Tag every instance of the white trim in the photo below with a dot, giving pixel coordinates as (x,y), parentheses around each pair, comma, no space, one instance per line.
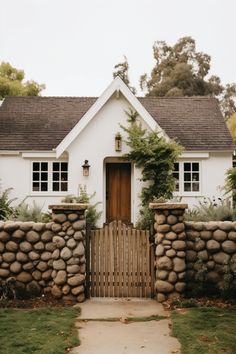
(42,155)
(116,85)
(194,155)
(9,153)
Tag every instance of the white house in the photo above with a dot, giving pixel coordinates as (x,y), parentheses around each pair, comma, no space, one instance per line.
(44,142)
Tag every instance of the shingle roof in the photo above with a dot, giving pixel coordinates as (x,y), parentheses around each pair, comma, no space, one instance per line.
(40,123)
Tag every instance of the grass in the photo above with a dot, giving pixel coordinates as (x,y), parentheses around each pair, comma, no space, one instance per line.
(205,330)
(38,331)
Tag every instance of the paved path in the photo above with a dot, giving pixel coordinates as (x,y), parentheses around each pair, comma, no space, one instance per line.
(120,337)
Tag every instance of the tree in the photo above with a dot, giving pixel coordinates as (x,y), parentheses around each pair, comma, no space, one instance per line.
(121,70)
(12,83)
(182,71)
(231,123)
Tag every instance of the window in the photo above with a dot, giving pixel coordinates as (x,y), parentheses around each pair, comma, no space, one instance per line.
(50,176)
(40,176)
(176,176)
(187,177)
(191,176)
(59,176)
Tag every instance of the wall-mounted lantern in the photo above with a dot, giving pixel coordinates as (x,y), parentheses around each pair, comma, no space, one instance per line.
(86,167)
(118,142)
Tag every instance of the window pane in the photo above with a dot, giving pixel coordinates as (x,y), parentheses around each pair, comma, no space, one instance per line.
(35,166)
(35,176)
(55,176)
(44,166)
(195,166)
(195,187)
(187,187)
(44,176)
(176,166)
(44,187)
(36,187)
(187,177)
(187,166)
(64,186)
(64,176)
(195,177)
(64,166)
(55,186)
(56,166)
(176,186)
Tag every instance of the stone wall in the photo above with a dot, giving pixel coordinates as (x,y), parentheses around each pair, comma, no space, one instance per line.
(184,249)
(170,253)
(46,257)
(211,249)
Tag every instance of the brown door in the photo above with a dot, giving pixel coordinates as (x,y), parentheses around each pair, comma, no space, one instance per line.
(118,192)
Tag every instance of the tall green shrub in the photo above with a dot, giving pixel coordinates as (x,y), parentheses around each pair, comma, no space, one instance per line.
(230,183)
(155,155)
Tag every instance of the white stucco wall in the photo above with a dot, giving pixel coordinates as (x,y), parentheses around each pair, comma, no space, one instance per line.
(15,173)
(212,177)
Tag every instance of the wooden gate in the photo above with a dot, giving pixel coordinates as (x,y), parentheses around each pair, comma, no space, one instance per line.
(120,262)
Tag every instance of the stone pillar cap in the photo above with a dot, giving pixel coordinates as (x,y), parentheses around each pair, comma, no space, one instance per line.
(69,206)
(169,205)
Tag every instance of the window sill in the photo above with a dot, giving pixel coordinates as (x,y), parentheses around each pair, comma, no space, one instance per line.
(48,194)
(187,194)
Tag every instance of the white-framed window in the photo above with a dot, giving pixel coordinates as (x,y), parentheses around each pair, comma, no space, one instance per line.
(49,176)
(187,176)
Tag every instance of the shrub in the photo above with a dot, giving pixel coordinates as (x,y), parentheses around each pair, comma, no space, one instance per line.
(230,183)
(92,215)
(5,204)
(26,212)
(212,210)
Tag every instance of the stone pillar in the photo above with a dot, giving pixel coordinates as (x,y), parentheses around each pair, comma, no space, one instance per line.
(170,240)
(69,256)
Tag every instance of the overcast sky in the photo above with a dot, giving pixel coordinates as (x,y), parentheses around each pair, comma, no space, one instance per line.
(72,45)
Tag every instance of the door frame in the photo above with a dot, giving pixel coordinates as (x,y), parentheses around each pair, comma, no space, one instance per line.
(118,160)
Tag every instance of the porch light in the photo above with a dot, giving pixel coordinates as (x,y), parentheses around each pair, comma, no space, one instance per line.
(86,167)
(118,142)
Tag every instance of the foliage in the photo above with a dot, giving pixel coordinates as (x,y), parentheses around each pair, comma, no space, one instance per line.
(182,71)
(92,215)
(145,219)
(210,210)
(155,156)
(5,204)
(41,331)
(121,70)
(205,330)
(230,183)
(26,212)
(231,124)
(12,83)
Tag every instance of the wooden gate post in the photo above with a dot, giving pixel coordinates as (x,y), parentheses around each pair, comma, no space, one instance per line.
(69,255)
(170,240)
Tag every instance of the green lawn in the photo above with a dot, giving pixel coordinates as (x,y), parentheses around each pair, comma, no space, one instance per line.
(205,330)
(38,331)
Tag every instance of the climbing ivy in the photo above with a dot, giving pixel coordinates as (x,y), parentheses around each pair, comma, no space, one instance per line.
(155,155)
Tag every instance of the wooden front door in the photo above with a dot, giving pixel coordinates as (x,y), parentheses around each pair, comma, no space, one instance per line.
(118,192)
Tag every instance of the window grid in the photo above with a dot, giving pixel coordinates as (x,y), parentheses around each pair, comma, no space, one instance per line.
(49,176)
(40,177)
(60,176)
(187,177)
(191,176)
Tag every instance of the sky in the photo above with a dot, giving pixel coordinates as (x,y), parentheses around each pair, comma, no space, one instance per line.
(72,46)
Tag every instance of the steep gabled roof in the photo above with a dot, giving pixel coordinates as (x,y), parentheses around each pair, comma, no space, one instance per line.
(41,123)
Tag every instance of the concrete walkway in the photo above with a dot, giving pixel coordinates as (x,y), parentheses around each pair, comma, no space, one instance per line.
(119,337)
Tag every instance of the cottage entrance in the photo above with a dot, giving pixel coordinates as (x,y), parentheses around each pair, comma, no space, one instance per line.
(120,262)
(118,192)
